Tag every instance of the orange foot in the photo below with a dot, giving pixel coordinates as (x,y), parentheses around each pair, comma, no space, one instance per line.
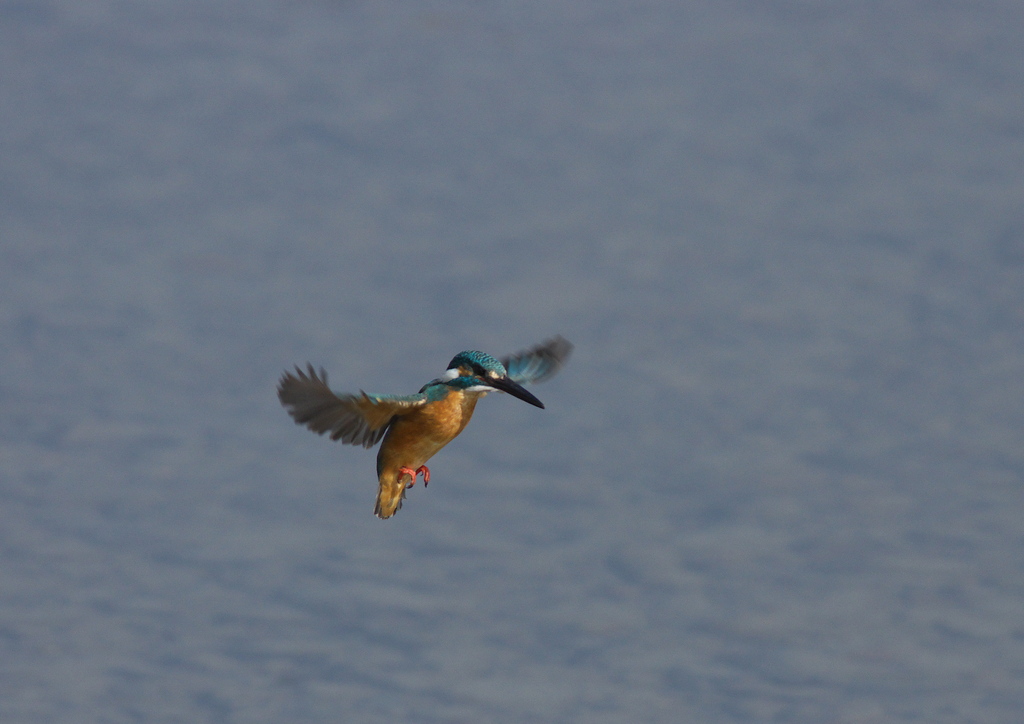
(413,473)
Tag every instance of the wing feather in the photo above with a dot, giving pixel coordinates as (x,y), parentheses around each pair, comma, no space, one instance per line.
(354,419)
(538,363)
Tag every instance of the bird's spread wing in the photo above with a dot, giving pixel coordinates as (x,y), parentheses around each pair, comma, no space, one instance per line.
(354,419)
(538,363)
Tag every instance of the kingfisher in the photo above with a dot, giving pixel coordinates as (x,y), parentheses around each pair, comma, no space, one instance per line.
(415,427)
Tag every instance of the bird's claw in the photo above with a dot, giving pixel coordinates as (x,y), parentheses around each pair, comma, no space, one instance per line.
(421,470)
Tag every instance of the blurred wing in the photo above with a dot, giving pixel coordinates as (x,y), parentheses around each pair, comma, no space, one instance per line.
(538,363)
(354,419)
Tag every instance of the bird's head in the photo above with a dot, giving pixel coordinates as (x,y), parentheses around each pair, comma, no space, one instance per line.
(473,371)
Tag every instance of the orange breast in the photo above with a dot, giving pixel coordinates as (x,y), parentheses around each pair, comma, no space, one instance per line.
(415,438)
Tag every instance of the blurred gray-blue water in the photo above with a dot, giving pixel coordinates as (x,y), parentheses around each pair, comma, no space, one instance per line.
(780,480)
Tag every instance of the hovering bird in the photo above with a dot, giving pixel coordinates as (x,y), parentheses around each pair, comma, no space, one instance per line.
(415,427)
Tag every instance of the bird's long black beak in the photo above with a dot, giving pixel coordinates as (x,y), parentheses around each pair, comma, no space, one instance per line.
(516,390)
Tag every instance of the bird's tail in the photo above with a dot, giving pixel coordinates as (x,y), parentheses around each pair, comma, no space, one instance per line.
(390,495)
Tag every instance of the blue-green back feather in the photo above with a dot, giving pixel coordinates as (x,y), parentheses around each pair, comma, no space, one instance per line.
(401,399)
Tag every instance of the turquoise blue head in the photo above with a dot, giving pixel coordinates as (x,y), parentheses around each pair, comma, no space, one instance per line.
(477,371)
(479,362)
